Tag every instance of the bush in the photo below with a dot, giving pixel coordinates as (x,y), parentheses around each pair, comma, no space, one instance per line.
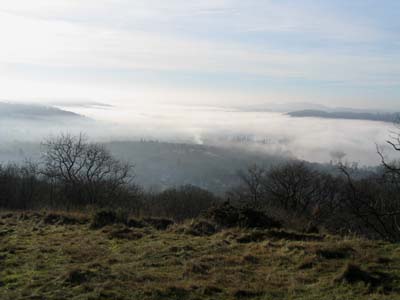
(251,218)
(185,202)
(107,217)
(226,215)
(159,223)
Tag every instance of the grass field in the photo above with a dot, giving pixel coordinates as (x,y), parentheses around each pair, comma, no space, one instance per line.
(45,257)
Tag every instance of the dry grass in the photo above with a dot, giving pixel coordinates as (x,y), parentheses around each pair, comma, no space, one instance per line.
(40,260)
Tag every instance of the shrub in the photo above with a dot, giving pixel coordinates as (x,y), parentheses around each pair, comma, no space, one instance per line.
(159,223)
(106,217)
(226,215)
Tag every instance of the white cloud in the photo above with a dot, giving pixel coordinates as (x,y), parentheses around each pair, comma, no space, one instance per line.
(137,35)
(64,44)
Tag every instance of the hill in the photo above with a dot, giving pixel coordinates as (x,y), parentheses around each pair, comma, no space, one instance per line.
(32,122)
(160,164)
(383,117)
(29,112)
(59,256)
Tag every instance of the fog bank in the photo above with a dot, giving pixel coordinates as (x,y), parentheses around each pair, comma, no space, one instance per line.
(312,139)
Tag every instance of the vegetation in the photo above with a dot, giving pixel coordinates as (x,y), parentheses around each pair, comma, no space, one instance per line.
(71,260)
(76,226)
(308,199)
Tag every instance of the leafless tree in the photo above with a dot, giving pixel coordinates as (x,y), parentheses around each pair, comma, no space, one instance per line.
(292,186)
(88,171)
(374,202)
(252,185)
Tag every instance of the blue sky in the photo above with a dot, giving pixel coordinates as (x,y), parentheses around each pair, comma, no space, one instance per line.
(212,52)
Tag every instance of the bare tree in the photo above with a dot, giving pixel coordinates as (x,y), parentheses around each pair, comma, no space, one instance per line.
(392,167)
(374,202)
(88,171)
(292,186)
(252,185)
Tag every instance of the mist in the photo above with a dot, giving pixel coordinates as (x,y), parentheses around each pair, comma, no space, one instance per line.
(310,139)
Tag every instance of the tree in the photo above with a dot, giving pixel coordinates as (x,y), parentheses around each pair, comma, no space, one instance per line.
(292,186)
(374,203)
(87,171)
(185,202)
(19,185)
(252,187)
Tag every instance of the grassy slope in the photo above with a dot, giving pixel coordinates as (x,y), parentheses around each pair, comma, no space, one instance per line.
(41,261)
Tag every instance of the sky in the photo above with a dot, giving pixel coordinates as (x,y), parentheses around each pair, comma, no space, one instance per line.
(201,52)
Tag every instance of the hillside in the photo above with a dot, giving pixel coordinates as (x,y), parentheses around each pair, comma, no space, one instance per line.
(383,117)
(29,112)
(61,257)
(160,165)
(33,122)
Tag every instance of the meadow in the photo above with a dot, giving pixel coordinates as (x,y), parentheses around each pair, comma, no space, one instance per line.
(59,255)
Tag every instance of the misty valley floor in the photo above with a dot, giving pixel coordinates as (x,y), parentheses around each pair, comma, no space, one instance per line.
(55,260)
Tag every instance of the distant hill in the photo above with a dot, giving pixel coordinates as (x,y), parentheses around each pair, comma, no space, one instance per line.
(281,107)
(33,122)
(382,117)
(26,112)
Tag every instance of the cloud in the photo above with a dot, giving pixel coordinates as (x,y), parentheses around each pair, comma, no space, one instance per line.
(65,44)
(195,37)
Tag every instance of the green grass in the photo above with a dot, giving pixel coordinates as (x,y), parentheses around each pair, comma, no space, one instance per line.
(42,261)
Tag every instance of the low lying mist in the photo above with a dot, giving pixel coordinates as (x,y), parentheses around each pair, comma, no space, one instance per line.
(311,139)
